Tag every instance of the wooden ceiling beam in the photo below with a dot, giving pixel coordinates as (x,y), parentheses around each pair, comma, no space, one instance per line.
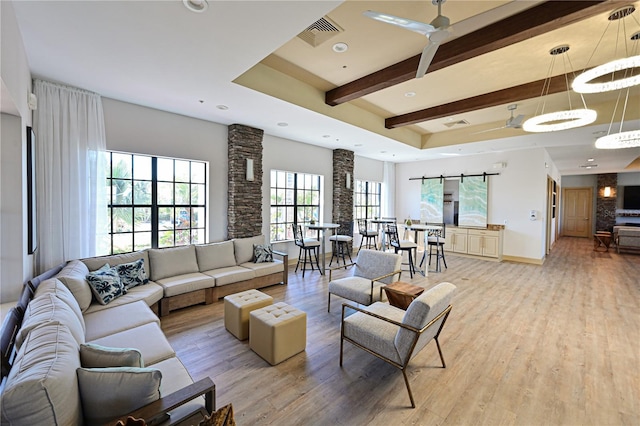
(532,22)
(556,84)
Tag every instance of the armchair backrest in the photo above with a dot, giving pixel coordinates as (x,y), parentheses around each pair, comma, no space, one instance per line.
(371,264)
(420,312)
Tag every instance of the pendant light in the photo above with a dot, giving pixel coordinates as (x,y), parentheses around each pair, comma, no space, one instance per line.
(558,120)
(621,138)
(584,83)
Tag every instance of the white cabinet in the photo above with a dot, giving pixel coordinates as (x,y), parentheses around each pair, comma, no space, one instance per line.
(476,242)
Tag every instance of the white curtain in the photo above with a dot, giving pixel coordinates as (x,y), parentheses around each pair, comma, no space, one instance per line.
(388,196)
(70,178)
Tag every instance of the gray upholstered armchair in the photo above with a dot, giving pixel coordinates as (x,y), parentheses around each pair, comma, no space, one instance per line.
(394,335)
(372,270)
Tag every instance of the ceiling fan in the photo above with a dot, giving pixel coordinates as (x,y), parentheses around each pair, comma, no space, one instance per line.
(511,123)
(436,32)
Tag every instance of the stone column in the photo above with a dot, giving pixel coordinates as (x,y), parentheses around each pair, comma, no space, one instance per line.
(343,196)
(244,196)
(606,206)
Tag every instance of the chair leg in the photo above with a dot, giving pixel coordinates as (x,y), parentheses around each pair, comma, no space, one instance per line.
(329,303)
(443,259)
(410,264)
(406,381)
(304,263)
(348,253)
(440,352)
(299,254)
(315,252)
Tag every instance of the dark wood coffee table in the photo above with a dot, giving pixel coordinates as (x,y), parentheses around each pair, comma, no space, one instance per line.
(401,294)
(602,240)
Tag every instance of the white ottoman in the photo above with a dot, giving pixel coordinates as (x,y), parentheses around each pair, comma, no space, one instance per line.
(277,332)
(237,307)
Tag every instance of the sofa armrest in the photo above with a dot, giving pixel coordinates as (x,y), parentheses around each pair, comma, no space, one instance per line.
(285,264)
(157,411)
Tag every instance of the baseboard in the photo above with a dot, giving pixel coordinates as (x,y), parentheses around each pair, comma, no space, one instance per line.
(519,259)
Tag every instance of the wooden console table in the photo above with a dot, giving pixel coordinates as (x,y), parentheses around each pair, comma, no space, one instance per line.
(401,294)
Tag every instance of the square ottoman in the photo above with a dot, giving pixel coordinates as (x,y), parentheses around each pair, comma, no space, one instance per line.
(237,307)
(277,332)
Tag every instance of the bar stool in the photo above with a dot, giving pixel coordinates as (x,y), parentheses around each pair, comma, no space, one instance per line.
(310,246)
(367,234)
(436,238)
(402,245)
(340,248)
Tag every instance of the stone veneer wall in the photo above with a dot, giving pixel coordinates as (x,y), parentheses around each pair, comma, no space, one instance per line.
(606,206)
(244,218)
(343,161)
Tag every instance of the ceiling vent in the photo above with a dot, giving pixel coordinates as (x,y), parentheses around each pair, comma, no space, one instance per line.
(320,31)
(457,123)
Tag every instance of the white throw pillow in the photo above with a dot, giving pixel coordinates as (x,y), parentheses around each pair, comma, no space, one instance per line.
(111,392)
(62,292)
(170,262)
(97,356)
(215,256)
(73,275)
(243,248)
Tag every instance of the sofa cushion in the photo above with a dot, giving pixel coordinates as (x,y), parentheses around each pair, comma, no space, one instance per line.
(111,392)
(73,275)
(105,284)
(132,274)
(262,253)
(175,377)
(94,263)
(215,255)
(186,283)
(148,293)
(55,286)
(262,269)
(118,318)
(148,339)
(230,275)
(97,356)
(42,388)
(243,248)
(47,308)
(169,262)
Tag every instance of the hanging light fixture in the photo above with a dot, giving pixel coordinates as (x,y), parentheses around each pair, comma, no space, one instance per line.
(621,139)
(584,82)
(558,120)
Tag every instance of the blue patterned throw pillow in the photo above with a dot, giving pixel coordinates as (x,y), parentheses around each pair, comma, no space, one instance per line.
(262,253)
(132,274)
(105,284)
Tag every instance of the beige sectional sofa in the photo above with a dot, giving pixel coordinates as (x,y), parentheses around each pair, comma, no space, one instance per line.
(56,340)
(627,238)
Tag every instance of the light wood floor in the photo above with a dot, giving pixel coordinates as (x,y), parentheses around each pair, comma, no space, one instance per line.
(524,345)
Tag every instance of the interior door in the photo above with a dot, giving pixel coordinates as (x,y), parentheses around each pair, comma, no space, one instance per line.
(576,212)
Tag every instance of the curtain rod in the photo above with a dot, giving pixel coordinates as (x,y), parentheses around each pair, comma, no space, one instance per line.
(461,176)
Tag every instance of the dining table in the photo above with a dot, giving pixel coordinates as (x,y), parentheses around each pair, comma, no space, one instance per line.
(380,222)
(436,229)
(322,229)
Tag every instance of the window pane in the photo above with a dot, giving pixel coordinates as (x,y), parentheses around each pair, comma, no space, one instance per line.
(165,218)
(182,218)
(183,237)
(141,167)
(197,194)
(182,193)
(142,192)
(165,239)
(143,240)
(197,236)
(121,165)
(165,169)
(165,193)
(142,219)
(197,172)
(122,219)
(121,191)
(197,215)
(122,243)
(182,171)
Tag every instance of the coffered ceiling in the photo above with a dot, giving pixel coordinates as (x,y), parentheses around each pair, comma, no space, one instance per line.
(247,55)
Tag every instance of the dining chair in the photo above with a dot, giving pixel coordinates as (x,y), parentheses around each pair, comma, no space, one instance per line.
(308,247)
(387,239)
(402,245)
(340,247)
(367,234)
(436,238)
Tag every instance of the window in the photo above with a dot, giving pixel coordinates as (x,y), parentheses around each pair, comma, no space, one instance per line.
(366,200)
(295,200)
(154,202)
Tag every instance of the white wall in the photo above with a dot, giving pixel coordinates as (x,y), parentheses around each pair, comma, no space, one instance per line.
(140,130)
(16,266)
(519,188)
(368,169)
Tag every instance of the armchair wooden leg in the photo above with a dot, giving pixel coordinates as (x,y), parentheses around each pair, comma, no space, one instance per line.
(406,381)
(329,302)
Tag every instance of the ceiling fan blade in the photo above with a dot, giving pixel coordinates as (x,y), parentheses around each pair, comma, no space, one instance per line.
(408,24)
(425,59)
(516,122)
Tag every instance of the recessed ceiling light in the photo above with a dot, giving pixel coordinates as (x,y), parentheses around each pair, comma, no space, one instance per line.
(197,6)
(222,107)
(358,144)
(590,159)
(410,94)
(283,124)
(383,152)
(326,136)
(340,47)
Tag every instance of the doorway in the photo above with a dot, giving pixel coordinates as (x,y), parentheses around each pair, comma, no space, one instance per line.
(577,212)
